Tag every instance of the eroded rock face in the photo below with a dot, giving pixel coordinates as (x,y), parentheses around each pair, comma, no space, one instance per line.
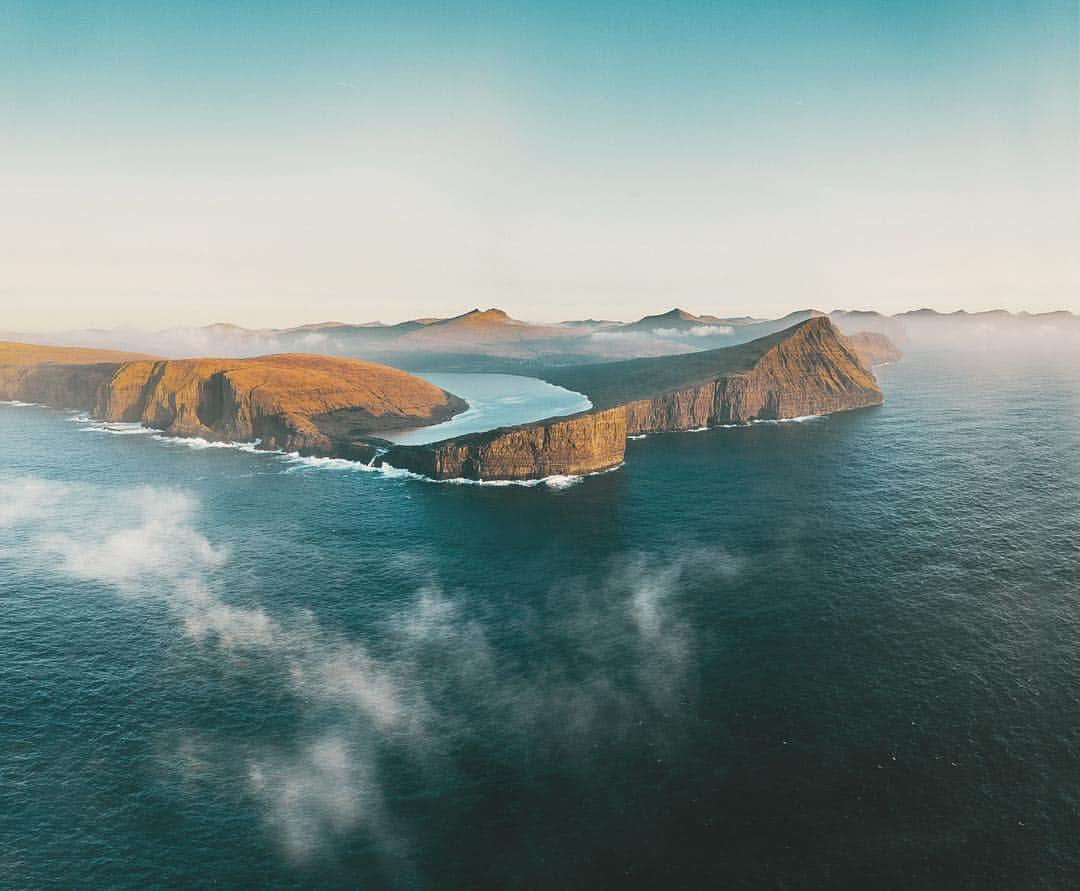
(297,402)
(63,377)
(810,370)
(569,446)
(813,371)
(327,406)
(61,386)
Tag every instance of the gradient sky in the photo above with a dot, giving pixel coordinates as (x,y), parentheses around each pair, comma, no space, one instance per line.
(275,163)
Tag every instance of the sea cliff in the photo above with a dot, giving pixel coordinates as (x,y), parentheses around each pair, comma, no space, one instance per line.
(63,377)
(296,402)
(578,444)
(337,407)
(808,369)
(873,348)
(812,371)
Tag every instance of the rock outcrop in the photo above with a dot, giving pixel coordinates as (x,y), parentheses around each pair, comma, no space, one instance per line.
(564,447)
(327,406)
(63,377)
(296,402)
(873,348)
(809,369)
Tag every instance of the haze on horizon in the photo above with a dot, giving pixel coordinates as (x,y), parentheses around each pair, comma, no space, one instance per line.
(271,164)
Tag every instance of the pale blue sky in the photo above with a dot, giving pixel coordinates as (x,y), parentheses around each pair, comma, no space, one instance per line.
(275,163)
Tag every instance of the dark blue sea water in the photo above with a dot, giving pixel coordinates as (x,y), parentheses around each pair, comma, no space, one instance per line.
(840,653)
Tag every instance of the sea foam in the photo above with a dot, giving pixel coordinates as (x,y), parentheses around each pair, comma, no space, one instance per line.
(802,419)
(301,463)
(117,428)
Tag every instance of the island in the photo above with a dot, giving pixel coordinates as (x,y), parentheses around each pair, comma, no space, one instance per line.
(807,369)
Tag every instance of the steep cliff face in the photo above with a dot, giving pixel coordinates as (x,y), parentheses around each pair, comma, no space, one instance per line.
(296,402)
(63,377)
(808,369)
(812,371)
(873,348)
(581,444)
(327,406)
(61,386)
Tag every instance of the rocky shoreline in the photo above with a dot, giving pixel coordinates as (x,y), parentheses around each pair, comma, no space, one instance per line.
(313,405)
(809,369)
(329,407)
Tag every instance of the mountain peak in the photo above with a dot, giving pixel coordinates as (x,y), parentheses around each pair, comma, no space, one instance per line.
(673,318)
(678,313)
(482,316)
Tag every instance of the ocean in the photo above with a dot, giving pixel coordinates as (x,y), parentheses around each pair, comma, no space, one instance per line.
(837,653)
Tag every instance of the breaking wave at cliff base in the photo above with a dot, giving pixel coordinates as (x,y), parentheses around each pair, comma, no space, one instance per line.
(300,463)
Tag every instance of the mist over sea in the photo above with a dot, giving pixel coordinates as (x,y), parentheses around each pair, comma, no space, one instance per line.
(839,653)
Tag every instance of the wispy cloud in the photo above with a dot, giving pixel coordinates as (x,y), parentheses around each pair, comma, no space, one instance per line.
(620,649)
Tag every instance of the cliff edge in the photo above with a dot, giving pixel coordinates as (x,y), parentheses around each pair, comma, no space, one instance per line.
(808,369)
(874,348)
(294,401)
(328,406)
(63,377)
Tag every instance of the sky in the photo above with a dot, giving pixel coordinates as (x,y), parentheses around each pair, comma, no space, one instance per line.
(269,164)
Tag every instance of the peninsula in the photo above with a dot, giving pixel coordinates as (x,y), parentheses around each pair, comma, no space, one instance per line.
(316,405)
(327,406)
(807,369)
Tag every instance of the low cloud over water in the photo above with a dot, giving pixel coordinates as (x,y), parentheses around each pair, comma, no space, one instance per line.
(435,678)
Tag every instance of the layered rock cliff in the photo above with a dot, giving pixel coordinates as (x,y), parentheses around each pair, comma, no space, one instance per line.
(811,371)
(328,406)
(63,377)
(808,369)
(568,446)
(297,402)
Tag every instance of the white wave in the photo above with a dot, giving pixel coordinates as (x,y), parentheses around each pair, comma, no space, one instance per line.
(300,463)
(554,481)
(637,436)
(117,428)
(314,462)
(802,419)
(15,403)
(310,462)
(561,482)
(198,443)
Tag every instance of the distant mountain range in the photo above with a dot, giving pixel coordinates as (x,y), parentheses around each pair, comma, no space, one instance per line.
(490,340)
